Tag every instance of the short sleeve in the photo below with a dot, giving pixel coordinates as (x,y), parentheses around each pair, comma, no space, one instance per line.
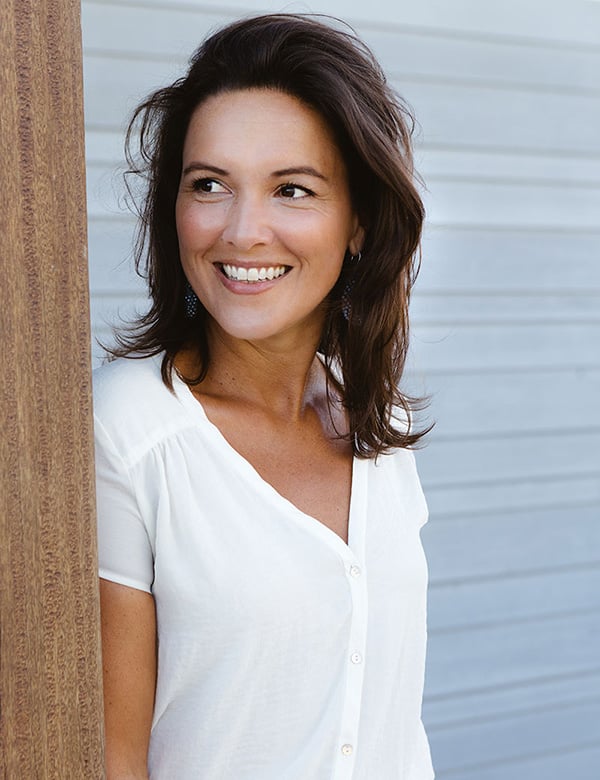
(124,550)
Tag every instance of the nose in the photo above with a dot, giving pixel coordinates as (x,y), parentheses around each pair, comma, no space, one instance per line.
(247,224)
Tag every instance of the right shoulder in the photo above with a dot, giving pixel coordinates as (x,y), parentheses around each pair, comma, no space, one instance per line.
(133,407)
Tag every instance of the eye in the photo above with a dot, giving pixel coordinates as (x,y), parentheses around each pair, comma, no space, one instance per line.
(293,191)
(208,186)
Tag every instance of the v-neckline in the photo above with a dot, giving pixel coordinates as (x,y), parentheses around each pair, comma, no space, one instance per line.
(357,508)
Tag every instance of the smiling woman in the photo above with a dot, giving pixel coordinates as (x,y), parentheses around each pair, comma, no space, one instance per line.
(271,198)
(263,582)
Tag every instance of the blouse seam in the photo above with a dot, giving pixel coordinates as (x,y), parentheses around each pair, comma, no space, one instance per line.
(127,471)
(138,452)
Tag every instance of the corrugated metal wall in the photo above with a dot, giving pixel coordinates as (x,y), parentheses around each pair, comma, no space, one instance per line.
(506,331)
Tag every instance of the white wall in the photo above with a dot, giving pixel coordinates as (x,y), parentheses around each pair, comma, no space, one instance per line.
(506,320)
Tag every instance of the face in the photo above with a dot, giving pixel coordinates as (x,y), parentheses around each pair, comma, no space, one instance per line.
(263,214)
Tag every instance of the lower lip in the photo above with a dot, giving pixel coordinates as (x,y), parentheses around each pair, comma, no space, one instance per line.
(248,288)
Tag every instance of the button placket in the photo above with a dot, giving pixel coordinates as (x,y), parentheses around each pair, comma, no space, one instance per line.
(348,739)
(356,579)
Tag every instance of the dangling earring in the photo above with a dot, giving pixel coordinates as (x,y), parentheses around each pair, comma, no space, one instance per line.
(192,304)
(346,302)
(346,295)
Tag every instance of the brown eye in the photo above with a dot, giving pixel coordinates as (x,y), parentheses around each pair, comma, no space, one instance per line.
(208,186)
(293,191)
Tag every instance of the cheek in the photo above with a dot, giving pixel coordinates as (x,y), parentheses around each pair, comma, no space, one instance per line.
(184,225)
(196,229)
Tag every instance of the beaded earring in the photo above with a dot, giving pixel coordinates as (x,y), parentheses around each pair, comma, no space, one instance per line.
(346,295)
(192,304)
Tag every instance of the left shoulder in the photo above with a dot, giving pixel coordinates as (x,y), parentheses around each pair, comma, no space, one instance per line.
(400,462)
(396,477)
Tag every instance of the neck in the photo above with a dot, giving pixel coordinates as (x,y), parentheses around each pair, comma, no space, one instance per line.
(280,377)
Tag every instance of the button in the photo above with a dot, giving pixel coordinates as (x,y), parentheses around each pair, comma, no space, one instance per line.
(355,571)
(347,750)
(356,658)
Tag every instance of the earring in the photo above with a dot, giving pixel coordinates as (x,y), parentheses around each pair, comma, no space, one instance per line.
(191,302)
(346,302)
(346,295)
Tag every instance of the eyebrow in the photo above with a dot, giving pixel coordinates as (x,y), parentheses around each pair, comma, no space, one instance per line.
(307,170)
(201,166)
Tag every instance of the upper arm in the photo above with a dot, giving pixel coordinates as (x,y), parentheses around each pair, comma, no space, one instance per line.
(128,620)
(125,533)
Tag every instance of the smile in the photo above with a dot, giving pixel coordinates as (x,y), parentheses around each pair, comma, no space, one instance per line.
(241,274)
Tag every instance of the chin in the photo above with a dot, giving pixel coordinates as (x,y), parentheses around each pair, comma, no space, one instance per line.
(248,328)
(269,328)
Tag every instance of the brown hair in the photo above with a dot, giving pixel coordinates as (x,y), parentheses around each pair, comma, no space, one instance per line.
(366,330)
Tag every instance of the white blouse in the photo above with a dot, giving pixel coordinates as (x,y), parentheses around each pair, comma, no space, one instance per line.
(283,653)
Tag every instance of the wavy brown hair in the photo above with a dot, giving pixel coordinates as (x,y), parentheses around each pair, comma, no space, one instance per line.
(365,337)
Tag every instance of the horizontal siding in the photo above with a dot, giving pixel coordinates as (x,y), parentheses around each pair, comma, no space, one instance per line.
(553,646)
(528,23)
(519,494)
(512,543)
(501,117)
(498,165)
(499,742)
(504,346)
(506,326)
(490,701)
(518,599)
(553,763)
(496,403)
(524,307)
(492,203)
(505,260)
(509,457)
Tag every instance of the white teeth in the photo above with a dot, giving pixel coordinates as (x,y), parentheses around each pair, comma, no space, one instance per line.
(241,274)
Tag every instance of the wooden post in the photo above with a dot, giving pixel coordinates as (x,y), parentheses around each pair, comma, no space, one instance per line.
(50,676)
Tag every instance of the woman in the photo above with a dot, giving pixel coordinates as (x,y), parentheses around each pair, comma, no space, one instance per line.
(262,579)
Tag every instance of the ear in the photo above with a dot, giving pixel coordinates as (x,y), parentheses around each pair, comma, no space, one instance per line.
(357,238)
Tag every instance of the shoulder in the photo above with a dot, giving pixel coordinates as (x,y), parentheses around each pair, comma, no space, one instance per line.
(399,462)
(398,479)
(128,383)
(132,405)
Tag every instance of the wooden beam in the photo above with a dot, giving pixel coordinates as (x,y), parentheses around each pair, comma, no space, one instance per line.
(50,674)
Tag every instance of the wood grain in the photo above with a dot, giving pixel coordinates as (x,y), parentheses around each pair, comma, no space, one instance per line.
(50,670)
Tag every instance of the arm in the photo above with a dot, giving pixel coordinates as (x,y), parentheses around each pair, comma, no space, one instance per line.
(128,621)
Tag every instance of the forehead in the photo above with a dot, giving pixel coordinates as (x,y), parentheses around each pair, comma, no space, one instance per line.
(261,125)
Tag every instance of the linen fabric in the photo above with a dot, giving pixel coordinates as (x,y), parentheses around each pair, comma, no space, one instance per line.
(283,653)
